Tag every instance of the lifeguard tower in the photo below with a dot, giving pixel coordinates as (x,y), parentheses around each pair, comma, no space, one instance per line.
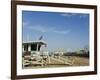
(33,47)
(32,52)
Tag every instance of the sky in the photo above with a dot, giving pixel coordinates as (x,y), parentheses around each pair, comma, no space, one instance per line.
(65,31)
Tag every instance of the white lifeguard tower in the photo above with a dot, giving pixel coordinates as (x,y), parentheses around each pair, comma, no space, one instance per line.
(32,51)
(33,47)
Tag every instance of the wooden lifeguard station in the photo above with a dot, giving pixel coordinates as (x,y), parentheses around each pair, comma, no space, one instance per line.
(32,52)
(33,46)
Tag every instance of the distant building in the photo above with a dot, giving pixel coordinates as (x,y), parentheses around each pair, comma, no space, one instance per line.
(82,52)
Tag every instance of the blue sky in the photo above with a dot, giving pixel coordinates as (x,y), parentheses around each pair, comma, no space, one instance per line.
(67,31)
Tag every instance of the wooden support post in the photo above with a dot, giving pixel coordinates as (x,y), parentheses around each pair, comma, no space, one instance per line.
(37,47)
(29,47)
(42,63)
(23,48)
(49,59)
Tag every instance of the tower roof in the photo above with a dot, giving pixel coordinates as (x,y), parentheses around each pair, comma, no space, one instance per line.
(41,42)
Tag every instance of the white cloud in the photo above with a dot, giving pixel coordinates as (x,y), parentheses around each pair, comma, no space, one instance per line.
(38,28)
(74,14)
(65,15)
(68,14)
(83,16)
(61,32)
(44,29)
(25,24)
(49,29)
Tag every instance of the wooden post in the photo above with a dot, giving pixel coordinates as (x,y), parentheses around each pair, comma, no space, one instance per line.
(42,63)
(49,59)
(23,47)
(29,47)
(37,47)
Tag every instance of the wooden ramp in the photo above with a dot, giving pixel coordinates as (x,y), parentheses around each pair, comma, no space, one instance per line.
(60,60)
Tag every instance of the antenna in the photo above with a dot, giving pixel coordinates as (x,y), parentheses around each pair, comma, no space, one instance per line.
(41,37)
(27,37)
